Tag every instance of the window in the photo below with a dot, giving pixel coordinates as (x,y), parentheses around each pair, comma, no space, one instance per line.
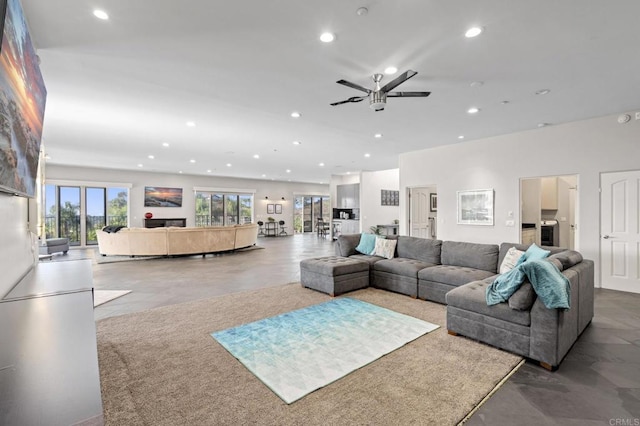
(77,212)
(221,209)
(306,211)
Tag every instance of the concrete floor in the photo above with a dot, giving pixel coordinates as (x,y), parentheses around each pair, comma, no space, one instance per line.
(598,383)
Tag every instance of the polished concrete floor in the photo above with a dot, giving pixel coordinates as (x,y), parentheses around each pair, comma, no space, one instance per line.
(598,383)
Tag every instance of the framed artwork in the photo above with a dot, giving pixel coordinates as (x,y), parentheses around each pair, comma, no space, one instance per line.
(475,207)
(270,208)
(389,197)
(278,208)
(156,196)
(433,202)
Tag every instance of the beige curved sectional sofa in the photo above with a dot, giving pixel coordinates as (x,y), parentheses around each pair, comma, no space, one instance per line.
(176,240)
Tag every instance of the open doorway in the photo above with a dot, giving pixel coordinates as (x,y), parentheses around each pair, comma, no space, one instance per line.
(423,212)
(548,210)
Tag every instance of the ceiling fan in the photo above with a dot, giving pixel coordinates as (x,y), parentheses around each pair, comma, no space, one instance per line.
(378,96)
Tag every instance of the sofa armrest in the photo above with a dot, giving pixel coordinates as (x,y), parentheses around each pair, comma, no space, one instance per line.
(554,331)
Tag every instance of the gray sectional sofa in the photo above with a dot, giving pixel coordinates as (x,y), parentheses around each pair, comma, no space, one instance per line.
(457,273)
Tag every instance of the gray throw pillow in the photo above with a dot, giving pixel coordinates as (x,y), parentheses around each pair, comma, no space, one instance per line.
(523,298)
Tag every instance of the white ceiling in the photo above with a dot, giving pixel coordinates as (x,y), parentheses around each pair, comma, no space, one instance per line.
(118,89)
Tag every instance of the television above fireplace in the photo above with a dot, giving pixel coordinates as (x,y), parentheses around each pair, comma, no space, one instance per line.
(22,104)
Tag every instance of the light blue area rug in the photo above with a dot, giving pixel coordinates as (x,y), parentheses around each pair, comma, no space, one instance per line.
(301,351)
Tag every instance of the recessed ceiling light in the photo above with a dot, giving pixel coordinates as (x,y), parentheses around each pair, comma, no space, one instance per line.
(151,157)
(191,124)
(542,92)
(473,32)
(504,102)
(288,171)
(377,135)
(461,137)
(209,171)
(543,124)
(192,161)
(473,110)
(180,171)
(228,164)
(296,142)
(263,175)
(100,14)
(295,114)
(256,156)
(477,84)
(165,144)
(390,70)
(348,173)
(321,164)
(367,155)
(139,165)
(362,11)
(327,37)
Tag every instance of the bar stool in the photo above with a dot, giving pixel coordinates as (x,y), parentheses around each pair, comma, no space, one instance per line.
(282,228)
(260,229)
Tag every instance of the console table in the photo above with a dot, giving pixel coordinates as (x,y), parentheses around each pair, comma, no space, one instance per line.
(48,352)
(159,223)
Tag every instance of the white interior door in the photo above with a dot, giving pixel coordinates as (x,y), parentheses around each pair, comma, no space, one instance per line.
(573,224)
(419,213)
(620,231)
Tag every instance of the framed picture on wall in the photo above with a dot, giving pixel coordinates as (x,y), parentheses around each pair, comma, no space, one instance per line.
(157,196)
(278,208)
(475,207)
(433,202)
(270,208)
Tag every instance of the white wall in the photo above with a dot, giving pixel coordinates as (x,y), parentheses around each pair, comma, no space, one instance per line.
(275,190)
(585,148)
(18,252)
(372,213)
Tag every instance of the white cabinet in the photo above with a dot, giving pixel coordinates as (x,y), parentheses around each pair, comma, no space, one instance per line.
(349,227)
(549,193)
(348,196)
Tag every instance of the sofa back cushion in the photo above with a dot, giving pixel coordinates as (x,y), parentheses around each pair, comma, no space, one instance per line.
(471,255)
(504,248)
(346,245)
(566,259)
(422,249)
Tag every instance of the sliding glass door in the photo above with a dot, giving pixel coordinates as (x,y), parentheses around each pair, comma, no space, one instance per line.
(219,209)
(77,212)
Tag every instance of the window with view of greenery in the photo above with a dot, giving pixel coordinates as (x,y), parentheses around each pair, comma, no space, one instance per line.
(220,209)
(102,206)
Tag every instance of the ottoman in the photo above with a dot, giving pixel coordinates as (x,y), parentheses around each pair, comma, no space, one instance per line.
(334,275)
(54,245)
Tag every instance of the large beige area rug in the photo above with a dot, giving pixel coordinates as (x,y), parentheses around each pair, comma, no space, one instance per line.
(161,367)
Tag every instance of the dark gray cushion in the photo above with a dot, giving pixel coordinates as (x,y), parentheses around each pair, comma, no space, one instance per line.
(453,275)
(471,255)
(567,259)
(334,265)
(401,266)
(523,297)
(346,244)
(471,297)
(422,249)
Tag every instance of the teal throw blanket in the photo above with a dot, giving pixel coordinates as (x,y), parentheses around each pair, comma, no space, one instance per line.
(551,286)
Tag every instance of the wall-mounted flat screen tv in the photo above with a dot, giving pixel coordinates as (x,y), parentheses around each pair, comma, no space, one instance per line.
(155,196)
(22,102)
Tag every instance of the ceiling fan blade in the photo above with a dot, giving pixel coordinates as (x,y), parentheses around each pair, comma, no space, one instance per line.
(408,94)
(398,80)
(353,86)
(352,99)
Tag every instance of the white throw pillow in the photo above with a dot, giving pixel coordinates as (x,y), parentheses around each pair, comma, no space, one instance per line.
(385,248)
(510,260)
